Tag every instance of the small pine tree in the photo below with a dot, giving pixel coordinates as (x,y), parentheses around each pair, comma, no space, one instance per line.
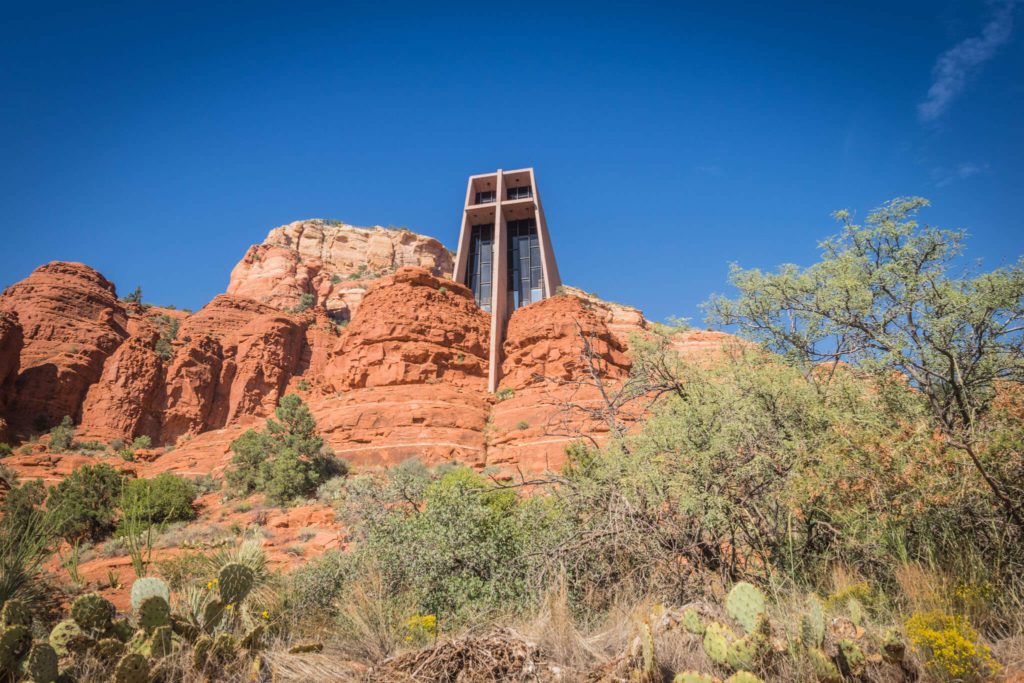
(134,297)
(62,437)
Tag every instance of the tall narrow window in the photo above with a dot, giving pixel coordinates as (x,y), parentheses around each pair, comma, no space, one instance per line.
(526,275)
(479,268)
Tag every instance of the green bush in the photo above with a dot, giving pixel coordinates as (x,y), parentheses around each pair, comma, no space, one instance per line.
(287,461)
(62,437)
(306,301)
(22,502)
(318,583)
(84,504)
(5,450)
(134,297)
(162,499)
(454,546)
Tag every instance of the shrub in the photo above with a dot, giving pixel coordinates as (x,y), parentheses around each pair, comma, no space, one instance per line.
(134,297)
(522,424)
(285,462)
(303,385)
(63,435)
(141,442)
(457,549)
(306,301)
(5,450)
(84,503)
(318,583)
(505,394)
(90,446)
(950,647)
(162,499)
(168,333)
(22,502)
(335,279)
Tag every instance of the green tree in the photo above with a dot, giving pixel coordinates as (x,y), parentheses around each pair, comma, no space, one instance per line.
(286,461)
(84,504)
(891,297)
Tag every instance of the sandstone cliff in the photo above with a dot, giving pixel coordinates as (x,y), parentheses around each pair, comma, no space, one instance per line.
(331,261)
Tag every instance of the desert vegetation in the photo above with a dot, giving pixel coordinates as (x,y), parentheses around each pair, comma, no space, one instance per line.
(838,495)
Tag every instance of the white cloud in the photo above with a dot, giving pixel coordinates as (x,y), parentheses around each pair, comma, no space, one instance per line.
(964,170)
(955,66)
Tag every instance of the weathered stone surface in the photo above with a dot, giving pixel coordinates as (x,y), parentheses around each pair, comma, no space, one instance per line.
(10,357)
(332,261)
(71,321)
(413,328)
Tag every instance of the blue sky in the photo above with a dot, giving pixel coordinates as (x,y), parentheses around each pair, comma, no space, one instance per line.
(156,141)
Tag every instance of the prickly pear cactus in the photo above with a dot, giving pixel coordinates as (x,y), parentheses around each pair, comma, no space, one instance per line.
(743,653)
(851,659)
(824,670)
(14,641)
(108,649)
(154,612)
(201,651)
(694,677)
(648,672)
(812,623)
(132,668)
(93,613)
(41,666)
(234,583)
(212,614)
(717,640)
(691,621)
(743,677)
(63,634)
(224,647)
(744,603)
(161,642)
(15,613)
(121,630)
(149,587)
(893,647)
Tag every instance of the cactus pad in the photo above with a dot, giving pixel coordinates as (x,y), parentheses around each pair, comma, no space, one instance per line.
(812,623)
(234,582)
(201,651)
(108,649)
(717,639)
(824,670)
(154,612)
(251,641)
(15,613)
(148,587)
(893,647)
(62,635)
(41,666)
(691,622)
(224,648)
(694,677)
(743,677)
(14,641)
(132,668)
(212,614)
(851,659)
(744,603)
(161,642)
(93,613)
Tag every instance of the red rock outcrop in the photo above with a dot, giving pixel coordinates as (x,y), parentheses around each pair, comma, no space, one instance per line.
(10,356)
(413,328)
(547,378)
(71,323)
(332,261)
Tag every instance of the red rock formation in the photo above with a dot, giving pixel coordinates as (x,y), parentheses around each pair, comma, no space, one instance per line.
(71,321)
(10,357)
(548,379)
(413,328)
(332,261)
(125,400)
